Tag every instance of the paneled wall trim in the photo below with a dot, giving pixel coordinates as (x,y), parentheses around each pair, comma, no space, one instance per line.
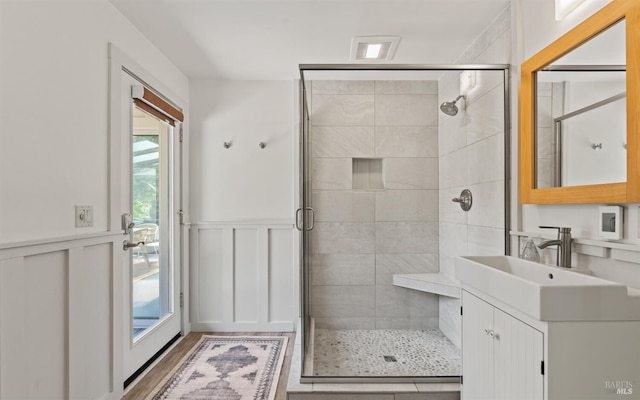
(244,276)
(60,328)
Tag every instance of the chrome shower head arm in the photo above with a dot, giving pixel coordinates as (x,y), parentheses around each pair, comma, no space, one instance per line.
(459,97)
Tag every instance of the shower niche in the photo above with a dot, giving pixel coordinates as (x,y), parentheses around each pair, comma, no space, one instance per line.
(367,173)
(379,170)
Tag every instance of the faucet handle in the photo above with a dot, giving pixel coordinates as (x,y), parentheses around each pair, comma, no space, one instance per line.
(561,229)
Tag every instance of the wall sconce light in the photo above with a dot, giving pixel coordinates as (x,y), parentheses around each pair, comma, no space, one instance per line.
(262,145)
(467,82)
(226,145)
(565,7)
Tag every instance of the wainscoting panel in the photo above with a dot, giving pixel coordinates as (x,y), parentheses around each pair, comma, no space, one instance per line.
(243,276)
(282,273)
(59,327)
(209,279)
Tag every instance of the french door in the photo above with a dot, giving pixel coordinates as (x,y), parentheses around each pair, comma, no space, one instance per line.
(149,204)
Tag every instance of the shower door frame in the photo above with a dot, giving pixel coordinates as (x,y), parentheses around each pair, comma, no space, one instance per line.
(307,218)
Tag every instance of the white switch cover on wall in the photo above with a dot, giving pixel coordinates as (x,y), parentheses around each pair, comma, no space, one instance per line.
(84,216)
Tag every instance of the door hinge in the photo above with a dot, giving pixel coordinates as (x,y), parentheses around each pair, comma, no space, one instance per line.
(461,379)
(181,299)
(181,136)
(460,310)
(541,367)
(181,217)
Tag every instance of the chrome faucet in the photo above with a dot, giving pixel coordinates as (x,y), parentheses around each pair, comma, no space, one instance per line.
(563,256)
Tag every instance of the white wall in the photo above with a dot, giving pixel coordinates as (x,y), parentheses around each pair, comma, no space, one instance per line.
(243,182)
(242,206)
(539,27)
(54,99)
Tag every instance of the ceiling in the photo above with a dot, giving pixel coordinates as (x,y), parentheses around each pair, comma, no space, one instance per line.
(267,39)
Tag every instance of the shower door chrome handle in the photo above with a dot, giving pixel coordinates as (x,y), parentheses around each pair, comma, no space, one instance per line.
(299,212)
(313,218)
(298,227)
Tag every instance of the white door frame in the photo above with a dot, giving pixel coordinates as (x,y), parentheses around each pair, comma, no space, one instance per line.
(119,62)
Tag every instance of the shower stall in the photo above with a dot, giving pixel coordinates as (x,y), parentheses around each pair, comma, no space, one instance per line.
(383,151)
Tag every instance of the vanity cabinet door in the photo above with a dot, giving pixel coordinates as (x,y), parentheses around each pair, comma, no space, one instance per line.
(477,348)
(518,353)
(501,355)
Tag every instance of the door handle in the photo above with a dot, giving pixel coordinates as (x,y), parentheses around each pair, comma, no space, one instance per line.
(126,245)
(127,223)
(313,218)
(298,227)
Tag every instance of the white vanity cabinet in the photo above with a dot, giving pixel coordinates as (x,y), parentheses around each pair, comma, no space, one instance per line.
(502,356)
(503,348)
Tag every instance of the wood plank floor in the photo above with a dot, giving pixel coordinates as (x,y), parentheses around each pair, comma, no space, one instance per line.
(162,369)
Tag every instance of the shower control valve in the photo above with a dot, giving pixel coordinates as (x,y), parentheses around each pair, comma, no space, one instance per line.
(465,200)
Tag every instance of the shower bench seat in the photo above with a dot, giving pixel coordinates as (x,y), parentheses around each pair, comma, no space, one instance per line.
(436,283)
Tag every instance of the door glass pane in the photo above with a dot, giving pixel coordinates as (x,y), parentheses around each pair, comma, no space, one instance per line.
(151,181)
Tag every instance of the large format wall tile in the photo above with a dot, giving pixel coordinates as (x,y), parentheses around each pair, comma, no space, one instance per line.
(407,205)
(342,87)
(406,87)
(410,173)
(331,173)
(406,141)
(449,210)
(487,209)
(395,301)
(428,205)
(397,205)
(389,264)
(420,323)
(453,239)
(343,206)
(345,323)
(406,237)
(486,159)
(342,141)
(337,301)
(342,110)
(343,269)
(452,135)
(453,169)
(343,238)
(485,241)
(450,323)
(486,115)
(406,110)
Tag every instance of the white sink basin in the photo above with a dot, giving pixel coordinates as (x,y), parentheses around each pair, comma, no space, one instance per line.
(548,293)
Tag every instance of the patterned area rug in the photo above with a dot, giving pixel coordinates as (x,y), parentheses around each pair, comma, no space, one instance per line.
(226,368)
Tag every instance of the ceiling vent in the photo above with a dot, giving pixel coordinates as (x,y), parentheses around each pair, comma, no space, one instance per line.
(373,48)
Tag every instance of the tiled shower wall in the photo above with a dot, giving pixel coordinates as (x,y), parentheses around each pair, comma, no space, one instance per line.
(472,157)
(363,236)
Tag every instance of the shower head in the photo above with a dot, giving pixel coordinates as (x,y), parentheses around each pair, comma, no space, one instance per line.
(449,107)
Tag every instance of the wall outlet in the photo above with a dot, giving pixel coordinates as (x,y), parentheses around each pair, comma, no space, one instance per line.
(84,216)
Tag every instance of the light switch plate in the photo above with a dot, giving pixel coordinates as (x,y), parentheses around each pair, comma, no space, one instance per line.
(84,216)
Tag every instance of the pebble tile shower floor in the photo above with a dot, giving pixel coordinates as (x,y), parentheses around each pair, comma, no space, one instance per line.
(372,353)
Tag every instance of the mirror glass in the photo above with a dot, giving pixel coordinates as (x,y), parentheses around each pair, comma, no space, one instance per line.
(580,134)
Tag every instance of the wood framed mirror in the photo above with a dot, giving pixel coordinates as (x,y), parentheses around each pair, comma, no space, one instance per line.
(583,165)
